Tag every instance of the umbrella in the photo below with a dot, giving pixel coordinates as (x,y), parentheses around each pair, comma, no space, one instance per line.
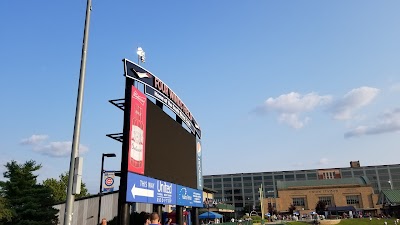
(210,215)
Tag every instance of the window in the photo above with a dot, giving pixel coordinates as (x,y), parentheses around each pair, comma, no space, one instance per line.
(358,173)
(268,183)
(246,178)
(278,177)
(238,198)
(301,176)
(228,192)
(298,202)
(217,185)
(267,177)
(326,199)
(227,179)
(228,184)
(289,177)
(247,184)
(382,172)
(395,170)
(346,174)
(353,200)
(328,175)
(237,179)
(370,172)
(208,185)
(217,180)
(238,205)
(248,191)
(257,178)
(312,176)
(237,191)
(237,184)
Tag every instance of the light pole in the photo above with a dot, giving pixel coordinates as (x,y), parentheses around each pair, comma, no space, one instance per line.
(69,203)
(141,55)
(101,182)
(261,190)
(391,185)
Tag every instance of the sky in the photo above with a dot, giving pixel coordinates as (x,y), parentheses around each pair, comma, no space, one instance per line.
(274,85)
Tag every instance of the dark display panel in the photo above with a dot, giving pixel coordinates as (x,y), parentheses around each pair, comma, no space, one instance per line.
(170,149)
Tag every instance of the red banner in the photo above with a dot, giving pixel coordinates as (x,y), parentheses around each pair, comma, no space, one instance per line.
(137,132)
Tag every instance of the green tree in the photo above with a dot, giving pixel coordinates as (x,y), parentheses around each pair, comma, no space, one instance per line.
(30,203)
(291,209)
(5,212)
(320,207)
(59,187)
(272,210)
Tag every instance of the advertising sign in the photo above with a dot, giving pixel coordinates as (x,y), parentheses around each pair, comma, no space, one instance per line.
(159,90)
(148,190)
(138,189)
(199,164)
(164,192)
(108,184)
(137,132)
(189,196)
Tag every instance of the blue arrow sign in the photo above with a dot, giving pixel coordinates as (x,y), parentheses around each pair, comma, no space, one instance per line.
(138,188)
(149,190)
(189,196)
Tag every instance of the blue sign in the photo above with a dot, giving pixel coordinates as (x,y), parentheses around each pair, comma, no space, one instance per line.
(138,188)
(149,190)
(189,196)
(164,192)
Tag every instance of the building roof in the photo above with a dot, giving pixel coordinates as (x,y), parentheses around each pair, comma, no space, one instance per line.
(309,170)
(389,197)
(359,181)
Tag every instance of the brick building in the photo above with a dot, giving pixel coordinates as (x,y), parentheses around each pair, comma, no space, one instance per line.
(337,194)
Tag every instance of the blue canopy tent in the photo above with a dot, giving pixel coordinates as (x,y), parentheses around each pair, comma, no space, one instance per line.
(210,215)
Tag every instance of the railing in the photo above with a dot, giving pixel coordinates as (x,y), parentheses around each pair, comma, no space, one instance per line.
(238,223)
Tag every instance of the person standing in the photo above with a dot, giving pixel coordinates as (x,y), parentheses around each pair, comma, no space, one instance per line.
(154,219)
(168,221)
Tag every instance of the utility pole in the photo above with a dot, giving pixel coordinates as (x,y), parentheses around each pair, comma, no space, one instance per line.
(69,205)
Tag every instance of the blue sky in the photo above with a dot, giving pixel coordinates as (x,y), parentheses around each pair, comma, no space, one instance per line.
(275,85)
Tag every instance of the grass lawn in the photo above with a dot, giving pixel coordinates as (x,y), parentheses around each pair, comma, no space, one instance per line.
(364,221)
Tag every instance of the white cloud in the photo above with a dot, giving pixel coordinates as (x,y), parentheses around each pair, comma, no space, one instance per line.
(34,139)
(323,161)
(58,149)
(293,120)
(355,99)
(294,102)
(387,122)
(291,105)
(53,149)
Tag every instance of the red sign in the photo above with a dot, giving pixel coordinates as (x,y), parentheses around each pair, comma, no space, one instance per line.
(137,132)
